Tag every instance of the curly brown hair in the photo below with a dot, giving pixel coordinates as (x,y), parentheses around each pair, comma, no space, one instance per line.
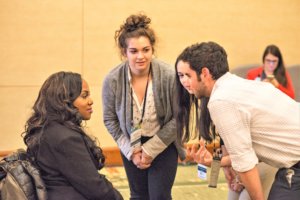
(135,26)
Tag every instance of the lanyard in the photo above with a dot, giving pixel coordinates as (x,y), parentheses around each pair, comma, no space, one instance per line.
(145,100)
(217,152)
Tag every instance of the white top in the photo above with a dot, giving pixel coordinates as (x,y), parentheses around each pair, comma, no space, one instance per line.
(256,122)
(150,124)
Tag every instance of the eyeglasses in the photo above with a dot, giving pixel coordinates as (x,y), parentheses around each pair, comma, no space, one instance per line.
(271,61)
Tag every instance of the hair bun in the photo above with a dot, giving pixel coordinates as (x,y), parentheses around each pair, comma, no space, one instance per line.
(135,22)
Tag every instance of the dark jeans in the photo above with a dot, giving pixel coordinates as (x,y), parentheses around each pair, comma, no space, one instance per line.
(155,182)
(281,190)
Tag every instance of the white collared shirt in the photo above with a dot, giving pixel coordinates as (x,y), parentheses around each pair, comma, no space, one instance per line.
(256,122)
(150,124)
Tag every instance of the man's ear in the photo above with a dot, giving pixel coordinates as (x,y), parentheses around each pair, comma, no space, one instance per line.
(205,72)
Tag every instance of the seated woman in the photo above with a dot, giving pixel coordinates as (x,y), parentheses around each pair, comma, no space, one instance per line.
(66,156)
(273,71)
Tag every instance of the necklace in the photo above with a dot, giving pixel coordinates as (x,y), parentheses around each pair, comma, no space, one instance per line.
(144,105)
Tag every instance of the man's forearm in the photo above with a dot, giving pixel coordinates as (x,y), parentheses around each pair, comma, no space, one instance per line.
(251,181)
(225,162)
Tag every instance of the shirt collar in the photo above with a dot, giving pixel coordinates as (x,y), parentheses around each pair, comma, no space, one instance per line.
(220,80)
(129,74)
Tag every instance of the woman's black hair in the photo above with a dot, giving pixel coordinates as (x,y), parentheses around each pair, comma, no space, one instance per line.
(55,104)
(279,72)
(209,55)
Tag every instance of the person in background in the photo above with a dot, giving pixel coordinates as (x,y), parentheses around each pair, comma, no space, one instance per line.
(273,71)
(57,144)
(138,111)
(252,127)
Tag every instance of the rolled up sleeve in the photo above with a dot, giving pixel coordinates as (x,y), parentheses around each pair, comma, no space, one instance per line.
(233,124)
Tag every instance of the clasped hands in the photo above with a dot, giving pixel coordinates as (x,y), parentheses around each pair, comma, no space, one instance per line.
(141,159)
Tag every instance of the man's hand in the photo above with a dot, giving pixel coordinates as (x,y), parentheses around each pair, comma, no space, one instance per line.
(232,179)
(229,176)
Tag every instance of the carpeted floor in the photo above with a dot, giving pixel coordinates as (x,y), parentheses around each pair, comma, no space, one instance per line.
(187,185)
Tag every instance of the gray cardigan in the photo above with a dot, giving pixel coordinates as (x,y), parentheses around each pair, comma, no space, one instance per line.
(116,108)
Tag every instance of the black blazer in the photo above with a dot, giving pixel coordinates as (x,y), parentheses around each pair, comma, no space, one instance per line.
(68,169)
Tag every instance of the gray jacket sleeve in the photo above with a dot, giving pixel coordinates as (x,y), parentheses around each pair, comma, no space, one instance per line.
(164,88)
(111,120)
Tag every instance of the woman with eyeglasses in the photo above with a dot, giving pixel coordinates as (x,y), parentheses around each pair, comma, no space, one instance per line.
(273,71)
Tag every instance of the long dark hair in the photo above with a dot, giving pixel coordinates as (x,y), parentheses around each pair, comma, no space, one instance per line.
(186,113)
(209,55)
(279,72)
(55,103)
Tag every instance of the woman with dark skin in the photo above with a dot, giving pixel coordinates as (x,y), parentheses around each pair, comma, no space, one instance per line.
(68,159)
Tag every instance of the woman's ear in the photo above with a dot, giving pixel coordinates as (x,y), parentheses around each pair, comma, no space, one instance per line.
(123,52)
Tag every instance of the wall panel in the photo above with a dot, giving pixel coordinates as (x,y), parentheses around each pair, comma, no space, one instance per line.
(39,37)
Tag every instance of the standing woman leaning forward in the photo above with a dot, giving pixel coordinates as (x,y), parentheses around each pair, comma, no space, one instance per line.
(138,106)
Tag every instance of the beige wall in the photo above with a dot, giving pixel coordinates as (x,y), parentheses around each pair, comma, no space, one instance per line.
(40,37)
